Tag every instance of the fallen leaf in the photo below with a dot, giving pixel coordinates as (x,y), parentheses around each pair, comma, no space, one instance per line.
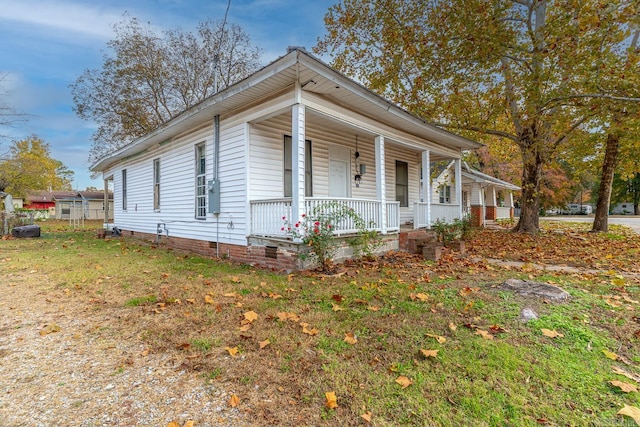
(467,290)
(551,334)
(332,400)
(189,424)
(349,338)
(373,308)
(232,351)
(631,411)
(308,331)
(366,416)
(484,334)
(208,299)
(404,381)
(337,298)
(50,328)
(629,375)
(245,327)
(626,387)
(250,316)
(452,327)
(336,307)
(234,401)
(429,353)
(264,343)
(439,338)
(173,424)
(235,279)
(610,355)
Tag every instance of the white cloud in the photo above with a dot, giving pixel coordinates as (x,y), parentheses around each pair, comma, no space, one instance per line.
(87,20)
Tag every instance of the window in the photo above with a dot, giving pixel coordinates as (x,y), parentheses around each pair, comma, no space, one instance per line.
(445,194)
(402,183)
(288,169)
(124,189)
(156,184)
(201,182)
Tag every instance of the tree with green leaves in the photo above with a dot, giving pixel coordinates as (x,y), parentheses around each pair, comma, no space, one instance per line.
(150,77)
(29,166)
(520,70)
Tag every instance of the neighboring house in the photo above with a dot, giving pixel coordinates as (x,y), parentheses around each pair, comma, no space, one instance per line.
(83,205)
(484,197)
(625,208)
(45,201)
(219,178)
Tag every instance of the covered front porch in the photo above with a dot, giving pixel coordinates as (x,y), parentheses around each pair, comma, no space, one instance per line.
(377,175)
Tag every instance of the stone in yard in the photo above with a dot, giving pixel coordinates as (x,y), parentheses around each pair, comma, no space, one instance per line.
(527,314)
(537,289)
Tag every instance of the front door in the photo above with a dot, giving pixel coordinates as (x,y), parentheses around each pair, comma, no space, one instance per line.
(339,166)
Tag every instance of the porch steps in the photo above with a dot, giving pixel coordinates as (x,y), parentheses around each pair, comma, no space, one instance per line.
(423,242)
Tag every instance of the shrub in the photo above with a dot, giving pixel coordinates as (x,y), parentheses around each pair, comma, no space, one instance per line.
(459,229)
(316,230)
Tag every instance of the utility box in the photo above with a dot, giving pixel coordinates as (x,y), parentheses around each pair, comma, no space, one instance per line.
(214,196)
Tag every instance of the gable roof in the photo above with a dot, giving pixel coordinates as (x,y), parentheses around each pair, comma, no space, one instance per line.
(314,76)
(478,176)
(47,196)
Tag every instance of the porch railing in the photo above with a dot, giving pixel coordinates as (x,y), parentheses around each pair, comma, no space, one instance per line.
(266,215)
(445,212)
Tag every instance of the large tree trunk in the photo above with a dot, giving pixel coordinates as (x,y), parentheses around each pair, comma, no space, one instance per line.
(601,220)
(532,162)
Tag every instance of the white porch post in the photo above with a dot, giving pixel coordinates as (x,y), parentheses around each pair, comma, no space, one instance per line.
(297,162)
(426,183)
(458,172)
(381,190)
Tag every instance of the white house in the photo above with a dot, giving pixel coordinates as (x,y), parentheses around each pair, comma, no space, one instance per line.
(484,197)
(219,178)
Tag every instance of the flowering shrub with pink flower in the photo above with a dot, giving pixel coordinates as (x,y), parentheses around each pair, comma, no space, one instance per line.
(316,230)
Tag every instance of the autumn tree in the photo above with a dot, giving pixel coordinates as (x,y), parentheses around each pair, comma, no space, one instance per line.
(150,76)
(621,73)
(515,69)
(29,166)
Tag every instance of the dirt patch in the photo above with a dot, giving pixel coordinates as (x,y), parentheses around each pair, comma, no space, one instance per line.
(91,372)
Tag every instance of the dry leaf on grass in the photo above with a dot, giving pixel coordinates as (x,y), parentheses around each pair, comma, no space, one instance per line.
(429,353)
(551,333)
(484,334)
(264,343)
(189,424)
(366,416)
(349,338)
(631,411)
(404,381)
(234,401)
(626,387)
(332,400)
(208,299)
(50,328)
(233,351)
(336,307)
(627,374)
(250,316)
(611,355)
(439,338)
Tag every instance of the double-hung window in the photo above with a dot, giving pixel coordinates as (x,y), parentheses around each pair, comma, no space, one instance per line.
(156,184)
(445,194)
(288,169)
(124,189)
(201,182)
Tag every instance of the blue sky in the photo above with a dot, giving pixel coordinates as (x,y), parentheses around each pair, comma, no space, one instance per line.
(46,44)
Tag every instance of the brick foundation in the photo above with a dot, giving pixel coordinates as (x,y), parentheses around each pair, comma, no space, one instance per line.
(276,254)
